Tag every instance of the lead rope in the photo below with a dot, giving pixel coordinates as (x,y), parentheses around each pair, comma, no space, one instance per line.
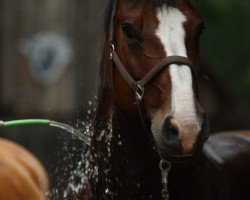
(165,167)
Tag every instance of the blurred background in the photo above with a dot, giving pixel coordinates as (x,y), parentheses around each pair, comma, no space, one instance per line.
(48,56)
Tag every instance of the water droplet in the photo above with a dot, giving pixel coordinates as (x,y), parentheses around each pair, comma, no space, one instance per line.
(107,191)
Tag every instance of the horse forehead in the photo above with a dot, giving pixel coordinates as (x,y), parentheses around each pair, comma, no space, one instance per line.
(171,30)
(170,18)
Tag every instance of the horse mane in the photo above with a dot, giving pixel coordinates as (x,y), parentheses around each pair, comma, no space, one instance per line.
(105,96)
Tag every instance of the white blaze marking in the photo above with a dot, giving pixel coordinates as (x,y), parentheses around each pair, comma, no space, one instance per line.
(172,35)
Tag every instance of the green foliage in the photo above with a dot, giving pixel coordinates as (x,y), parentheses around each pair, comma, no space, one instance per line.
(225,44)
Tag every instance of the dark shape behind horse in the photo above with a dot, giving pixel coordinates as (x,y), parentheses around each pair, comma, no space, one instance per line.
(123,162)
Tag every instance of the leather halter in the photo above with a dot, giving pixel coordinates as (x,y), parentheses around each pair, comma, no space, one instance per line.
(139,86)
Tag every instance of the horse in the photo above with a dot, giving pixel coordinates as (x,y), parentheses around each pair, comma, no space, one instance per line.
(148,111)
(22,177)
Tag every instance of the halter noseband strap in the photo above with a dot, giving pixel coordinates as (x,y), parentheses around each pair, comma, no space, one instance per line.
(138,86)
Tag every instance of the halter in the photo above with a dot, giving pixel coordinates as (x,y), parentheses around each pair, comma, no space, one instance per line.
(138,88)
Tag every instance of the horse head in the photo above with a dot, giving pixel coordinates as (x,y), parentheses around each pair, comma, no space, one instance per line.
(144,34)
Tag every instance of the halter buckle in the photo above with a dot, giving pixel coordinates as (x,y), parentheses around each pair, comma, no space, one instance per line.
(139,92)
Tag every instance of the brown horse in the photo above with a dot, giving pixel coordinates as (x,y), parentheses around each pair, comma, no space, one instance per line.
(148,109)
(22,176)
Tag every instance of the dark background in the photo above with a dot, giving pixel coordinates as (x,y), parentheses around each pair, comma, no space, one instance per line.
(225,88)
(225,52)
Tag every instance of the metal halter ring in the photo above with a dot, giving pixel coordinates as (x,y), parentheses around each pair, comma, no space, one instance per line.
(112,49)
(139,92)
(165,165)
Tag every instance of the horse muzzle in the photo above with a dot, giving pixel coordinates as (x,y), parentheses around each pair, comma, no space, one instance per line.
(182,139)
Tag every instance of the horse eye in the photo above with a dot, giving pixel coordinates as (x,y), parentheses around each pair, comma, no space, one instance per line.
(128,31)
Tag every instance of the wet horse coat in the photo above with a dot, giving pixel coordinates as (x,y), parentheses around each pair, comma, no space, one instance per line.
(123,164)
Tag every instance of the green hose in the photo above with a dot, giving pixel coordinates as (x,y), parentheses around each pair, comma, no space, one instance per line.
(25,122)
(32,122)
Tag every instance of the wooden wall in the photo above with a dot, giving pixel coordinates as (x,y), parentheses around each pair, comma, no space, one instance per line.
(77,20)
(22,97)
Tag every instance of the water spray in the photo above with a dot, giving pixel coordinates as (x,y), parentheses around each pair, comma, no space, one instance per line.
(46,122)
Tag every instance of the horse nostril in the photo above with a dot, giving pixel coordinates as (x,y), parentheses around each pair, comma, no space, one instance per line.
(180,139)
(170,134)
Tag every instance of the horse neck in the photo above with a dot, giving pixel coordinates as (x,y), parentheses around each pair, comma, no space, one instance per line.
(133,162)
